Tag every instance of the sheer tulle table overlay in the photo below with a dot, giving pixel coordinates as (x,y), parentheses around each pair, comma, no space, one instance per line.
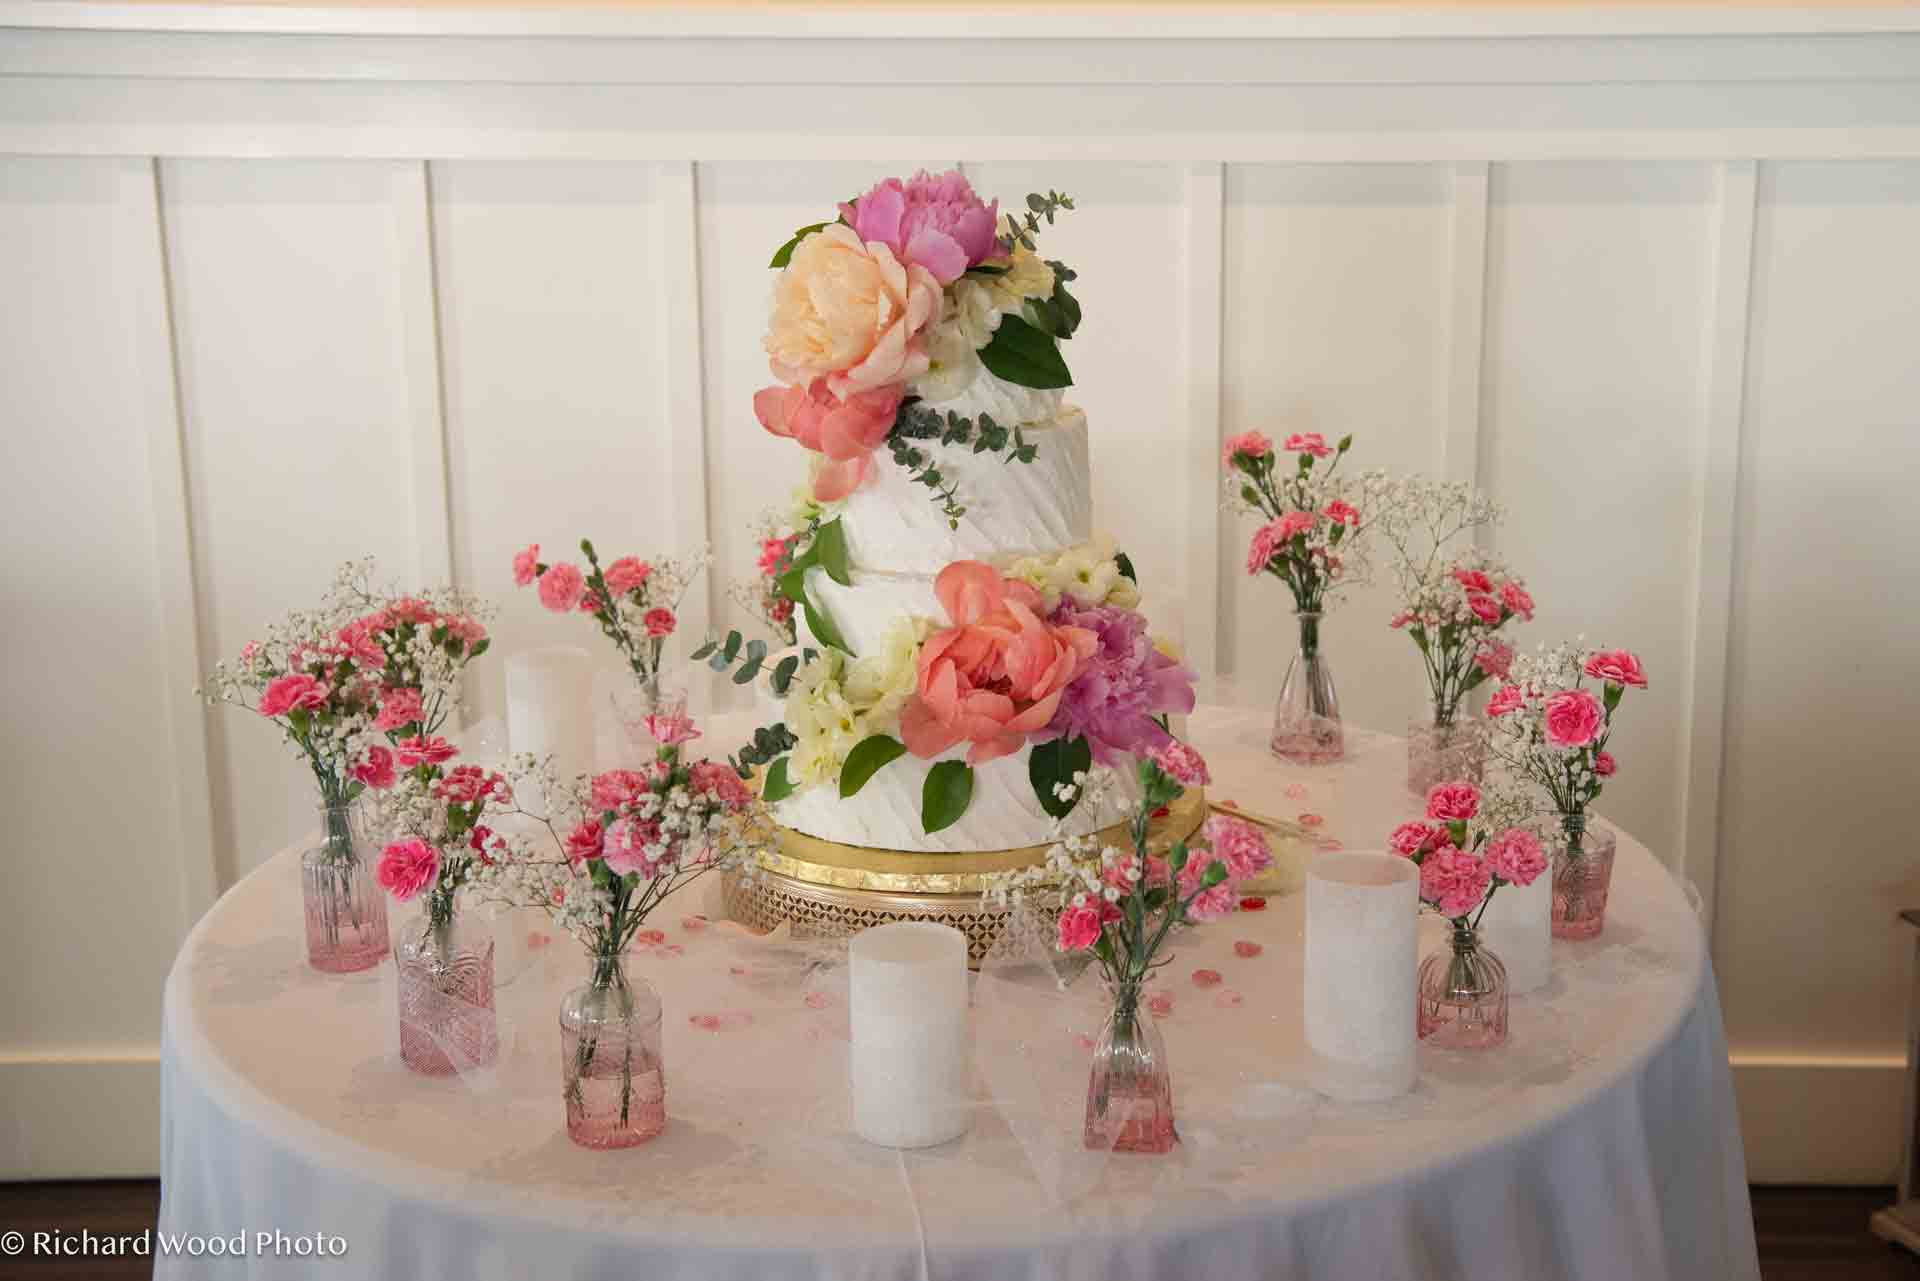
(1601,1141)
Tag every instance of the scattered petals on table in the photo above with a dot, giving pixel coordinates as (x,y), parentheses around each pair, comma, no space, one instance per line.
(708,1022)
(1228,1000)
(1331,843)
(1253,903)
(1160,1003)
(1296,791)
(668,950)
(816,1000)
(1084,1041)
(649,938)
(694,922)
(1311,821)
(1247,948)
(537,939)
(1206,978)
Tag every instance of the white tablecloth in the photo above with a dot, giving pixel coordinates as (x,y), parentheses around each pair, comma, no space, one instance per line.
(1600,1143)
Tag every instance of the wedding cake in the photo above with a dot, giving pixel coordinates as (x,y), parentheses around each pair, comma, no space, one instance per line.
(967,645)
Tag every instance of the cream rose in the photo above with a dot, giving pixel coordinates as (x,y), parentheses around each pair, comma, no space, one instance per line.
(851,313)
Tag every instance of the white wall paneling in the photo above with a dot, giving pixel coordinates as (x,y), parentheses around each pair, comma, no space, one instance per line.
(296,284)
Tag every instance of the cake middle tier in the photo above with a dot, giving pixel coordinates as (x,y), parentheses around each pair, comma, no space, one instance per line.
(895,525)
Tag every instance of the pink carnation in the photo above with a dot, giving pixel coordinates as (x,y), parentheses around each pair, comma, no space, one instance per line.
(1617,667)
(1182,764)
(1409,839)
(1454,881)
(1508,698)
(374,769)
(625,846)
(659,622)
(618,787)
(1248,444)
(718,780)
(561,587)
(398,707)
(1473,580)
(1573,718)
(1341,512)
(1603,765)
(670,729)
(1264,547)
(1079,928)
(936,222)
(297,691)
(1400,619)
(1453,802)
(584,842)
(1238,844)
(773,556)
(1214,904)
(1485,608)
(469,783)
(407,867)
(1308,443)
(1495,659)
(420,750)
(1515,598)
(1515,855)
(627,574)
(526,564)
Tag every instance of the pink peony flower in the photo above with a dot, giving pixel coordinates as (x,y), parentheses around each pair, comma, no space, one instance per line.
(1515,855)
(670,729)
(584,842)
(625,847)
(850,312)
(525,564)
(1181,763)
(1603,765)
(562,587)
(374,769)
(1341,512)
(1238,844)
(1473,580)
(996,675)
(407,867)
(1573,718)
(1485,608)
(1453,802)
(1617,667)
(618,787)
(1508,698)
(718,780)
(627,574)
(1454,881)
(1308,443)
(846,430)
(469,783)
(1515,598)
(1079,927)
(420,750)
(398,707)
(1495,659)
(933,222)
(659,622)
(1409,839)
(294,692)
(1248,444)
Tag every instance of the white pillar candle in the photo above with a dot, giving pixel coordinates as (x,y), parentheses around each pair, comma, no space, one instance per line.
(549,706)
(1361,974)
(1518,927)
(911,1062)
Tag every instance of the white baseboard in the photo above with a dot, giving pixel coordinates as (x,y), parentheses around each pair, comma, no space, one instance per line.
(1819,1118)
(80,1114)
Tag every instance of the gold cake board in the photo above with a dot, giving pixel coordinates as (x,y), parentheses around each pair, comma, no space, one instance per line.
(827,890)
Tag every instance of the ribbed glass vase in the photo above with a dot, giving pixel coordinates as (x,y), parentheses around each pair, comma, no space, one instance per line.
(1463,995)
(615,1083)
(1582,876)
(1129,1090)
(346,912)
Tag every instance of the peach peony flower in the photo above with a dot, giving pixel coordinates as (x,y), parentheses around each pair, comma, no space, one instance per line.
(850,312)
(846,431)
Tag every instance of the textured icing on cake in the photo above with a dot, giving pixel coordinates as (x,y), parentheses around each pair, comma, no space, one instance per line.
(1013,509)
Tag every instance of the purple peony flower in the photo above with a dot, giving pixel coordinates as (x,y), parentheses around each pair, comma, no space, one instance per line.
(1115,694)
(934,222)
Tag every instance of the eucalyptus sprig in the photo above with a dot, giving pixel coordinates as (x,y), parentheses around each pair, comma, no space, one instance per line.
(985,436)
(1021,229)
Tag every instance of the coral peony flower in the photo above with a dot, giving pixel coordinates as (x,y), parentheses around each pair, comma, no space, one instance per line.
(1079,927)
(407,867)
(659,622)
(845,431)
(1515,855)
(1573,718)
(1181,763)
(1603,765)
(1238,844)
(398,708)
(627,574)
(374,769)
(294,692)
(632,845)
(933,222)
(584,841)
(1508,698)
(562,587)
(1308,443)
(1485,608)
(1248,444)
(1618,667)
(1453,802)
(851,313)
(526,563)
(420,750)
(1515,598)
(670,729)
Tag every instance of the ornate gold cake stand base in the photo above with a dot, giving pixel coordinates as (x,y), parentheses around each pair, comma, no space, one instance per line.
(826,890)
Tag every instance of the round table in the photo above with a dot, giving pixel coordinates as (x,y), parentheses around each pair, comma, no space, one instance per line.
(1600,1142)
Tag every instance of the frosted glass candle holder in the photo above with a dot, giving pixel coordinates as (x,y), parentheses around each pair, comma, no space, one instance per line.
(911,1059)
(550,706)
(1518,927)
(1361,974)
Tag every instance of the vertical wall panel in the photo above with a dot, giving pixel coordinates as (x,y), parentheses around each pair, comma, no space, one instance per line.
(297,414)
(1816,850)
(1335,322)
(82,661)
(1597,282)
(552,369)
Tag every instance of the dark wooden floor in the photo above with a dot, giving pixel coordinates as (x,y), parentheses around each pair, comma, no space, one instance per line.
(1805,1234)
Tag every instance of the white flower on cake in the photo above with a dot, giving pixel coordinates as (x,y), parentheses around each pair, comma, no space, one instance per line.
(834,703)
(969,316)
(1089,574)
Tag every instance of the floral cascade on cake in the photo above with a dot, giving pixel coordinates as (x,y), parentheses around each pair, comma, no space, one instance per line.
(967,646)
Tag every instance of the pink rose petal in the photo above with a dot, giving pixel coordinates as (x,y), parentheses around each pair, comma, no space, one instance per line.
(1253,903)
(815,1000)
(705,1022)
(649,938)
(1296,791)
(695,922)
(1311,820)
(537,939)
(1161,1003)
(1228,1000)
(1206,978)
(1247,948)
(1084,1041)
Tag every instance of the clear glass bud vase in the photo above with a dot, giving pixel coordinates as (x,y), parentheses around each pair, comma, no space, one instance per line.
(447,1023)
(1582,874)
(346,911)
(1463,995)
(1452,750)
(615,1081)
(1129,1090)
(1306,720)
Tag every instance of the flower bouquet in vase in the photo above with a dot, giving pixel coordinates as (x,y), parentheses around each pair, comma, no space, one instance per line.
(1465,857)
(1121,906)
(1310,542)
(360,687)
(631,838)
(1549,729)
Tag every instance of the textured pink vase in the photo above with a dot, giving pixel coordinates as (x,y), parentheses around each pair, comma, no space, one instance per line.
(1451,753)
(447,1022)
(1582,875)
(615,1083)
(1463,996)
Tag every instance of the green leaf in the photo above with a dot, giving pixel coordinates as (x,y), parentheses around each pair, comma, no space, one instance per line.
(784,254)
(704,651)
(793,582)
(829,549)
(748,670)
(777,786)
(1057,762)
(485,643)
(865,760)
(1125,566)
(944,798)
(731,650)
(820,623)
(1026,356)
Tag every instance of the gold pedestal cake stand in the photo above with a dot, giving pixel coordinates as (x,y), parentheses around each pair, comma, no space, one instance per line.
(827,890)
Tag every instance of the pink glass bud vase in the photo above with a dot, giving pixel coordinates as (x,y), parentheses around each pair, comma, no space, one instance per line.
(1306,718)
(1129,1091)
(1444,751)
(1582,875)
(346,911)
(447,1023)
(1463,995)
(615,1084)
